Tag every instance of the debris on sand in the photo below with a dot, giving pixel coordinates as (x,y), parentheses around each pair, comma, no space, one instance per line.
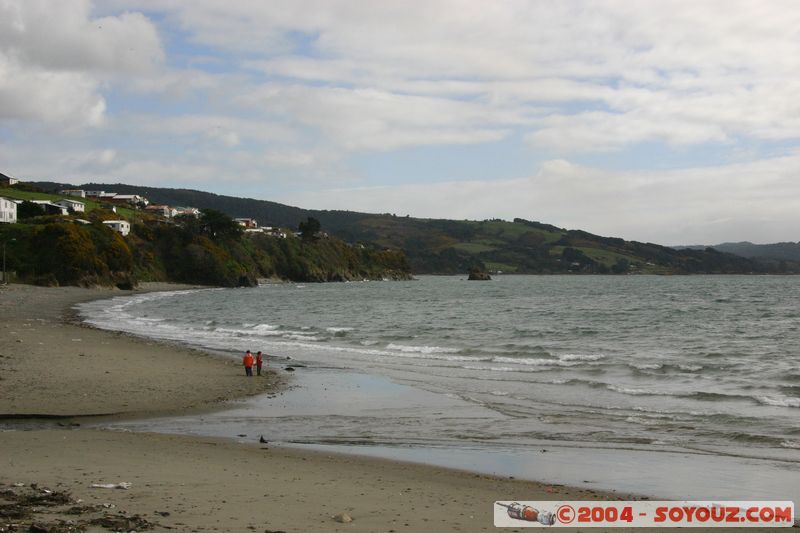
(344,518)
(32,508)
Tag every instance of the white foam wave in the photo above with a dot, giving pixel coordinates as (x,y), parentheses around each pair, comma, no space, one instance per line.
(338,330)
(303,337)
(580,357)
(632,392)
(691,368)
(534,362)
(420,349)
(646,366)
(793,444)
(779,402)
(490,368)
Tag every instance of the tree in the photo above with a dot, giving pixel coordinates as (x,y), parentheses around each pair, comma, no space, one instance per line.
(310,228)
(29,210)
(217,224)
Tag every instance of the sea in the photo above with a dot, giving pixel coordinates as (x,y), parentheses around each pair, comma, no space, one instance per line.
(682,387)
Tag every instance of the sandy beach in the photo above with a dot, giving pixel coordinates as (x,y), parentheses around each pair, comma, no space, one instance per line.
(50,367)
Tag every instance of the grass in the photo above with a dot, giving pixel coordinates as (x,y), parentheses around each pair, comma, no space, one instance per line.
(494,267)
(91,205)
(473,247)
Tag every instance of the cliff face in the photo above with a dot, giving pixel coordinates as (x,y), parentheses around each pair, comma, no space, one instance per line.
(64,253)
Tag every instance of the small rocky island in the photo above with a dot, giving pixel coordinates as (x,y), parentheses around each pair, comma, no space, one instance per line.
(476,274)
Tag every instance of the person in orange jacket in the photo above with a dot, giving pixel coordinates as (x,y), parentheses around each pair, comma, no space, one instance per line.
(248,363)
(259,362)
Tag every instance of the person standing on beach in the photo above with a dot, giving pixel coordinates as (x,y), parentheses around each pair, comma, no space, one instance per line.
(248,364)
(259,362)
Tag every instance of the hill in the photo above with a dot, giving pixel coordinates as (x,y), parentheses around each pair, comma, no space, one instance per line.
(778,257)
(439,246)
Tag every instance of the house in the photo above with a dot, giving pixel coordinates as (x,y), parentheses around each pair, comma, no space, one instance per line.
(123,227)
(7,181)
(247,223)
(94,194)
(163,210)
(187,211)
(8,211)
(132,199)
(50,208)
(77,207)
(73,192)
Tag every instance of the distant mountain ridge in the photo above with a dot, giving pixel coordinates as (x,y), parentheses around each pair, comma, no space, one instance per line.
(439,246)
(779,251)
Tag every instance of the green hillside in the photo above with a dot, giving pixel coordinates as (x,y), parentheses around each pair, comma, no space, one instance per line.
(453,247)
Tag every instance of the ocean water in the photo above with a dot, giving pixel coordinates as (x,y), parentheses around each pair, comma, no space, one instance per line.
(688,371)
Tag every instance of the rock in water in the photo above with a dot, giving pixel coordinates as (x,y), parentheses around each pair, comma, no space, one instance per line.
(476,274)
(344,518)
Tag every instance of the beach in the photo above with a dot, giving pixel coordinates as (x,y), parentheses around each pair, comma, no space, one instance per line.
(57,375)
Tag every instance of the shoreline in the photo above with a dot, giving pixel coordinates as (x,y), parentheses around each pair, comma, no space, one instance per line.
(203,482)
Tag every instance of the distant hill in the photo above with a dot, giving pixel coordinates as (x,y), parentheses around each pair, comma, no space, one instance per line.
(441,246)
(778,257)
(781,251)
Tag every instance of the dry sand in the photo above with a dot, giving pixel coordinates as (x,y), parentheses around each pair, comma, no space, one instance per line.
(196,484)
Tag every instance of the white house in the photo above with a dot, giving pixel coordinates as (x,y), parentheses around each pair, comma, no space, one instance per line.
(8,211)
(7,181)
(249,223)
(132,199)
(78,207)
(187,211)
(50,208)
(123,227)
(73,192)
(163,210)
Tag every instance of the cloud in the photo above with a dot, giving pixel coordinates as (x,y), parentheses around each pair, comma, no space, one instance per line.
(55,58)
(679,73)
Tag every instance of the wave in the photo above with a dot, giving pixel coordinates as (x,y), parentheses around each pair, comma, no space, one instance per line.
(778,402)
(793,444)
(420,349)
(636,392)
(646,366)
(580,357)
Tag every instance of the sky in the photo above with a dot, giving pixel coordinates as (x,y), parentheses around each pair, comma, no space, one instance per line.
(675,122)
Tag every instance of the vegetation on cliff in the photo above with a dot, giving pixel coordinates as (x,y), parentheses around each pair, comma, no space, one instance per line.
(209,250)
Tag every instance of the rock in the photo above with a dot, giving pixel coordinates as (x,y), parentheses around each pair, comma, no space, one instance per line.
(344,518)
(289,369)
(476,274)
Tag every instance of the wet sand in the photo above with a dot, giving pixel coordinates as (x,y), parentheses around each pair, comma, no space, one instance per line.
(49,367)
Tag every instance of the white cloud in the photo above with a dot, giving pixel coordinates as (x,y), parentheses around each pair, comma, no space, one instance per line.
(55,58)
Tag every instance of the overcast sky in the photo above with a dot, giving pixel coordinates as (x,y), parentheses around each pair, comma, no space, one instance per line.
(675,122)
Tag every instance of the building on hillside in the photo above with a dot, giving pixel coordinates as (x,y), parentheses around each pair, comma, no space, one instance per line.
(8,211)
(79,193)
(123,227)
(7,181)
(132,199)
(50,208)
(187,211)
(94,194)
(163,210)
(77,207)
(247,223)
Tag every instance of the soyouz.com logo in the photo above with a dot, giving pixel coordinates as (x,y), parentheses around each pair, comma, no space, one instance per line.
(644,514)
